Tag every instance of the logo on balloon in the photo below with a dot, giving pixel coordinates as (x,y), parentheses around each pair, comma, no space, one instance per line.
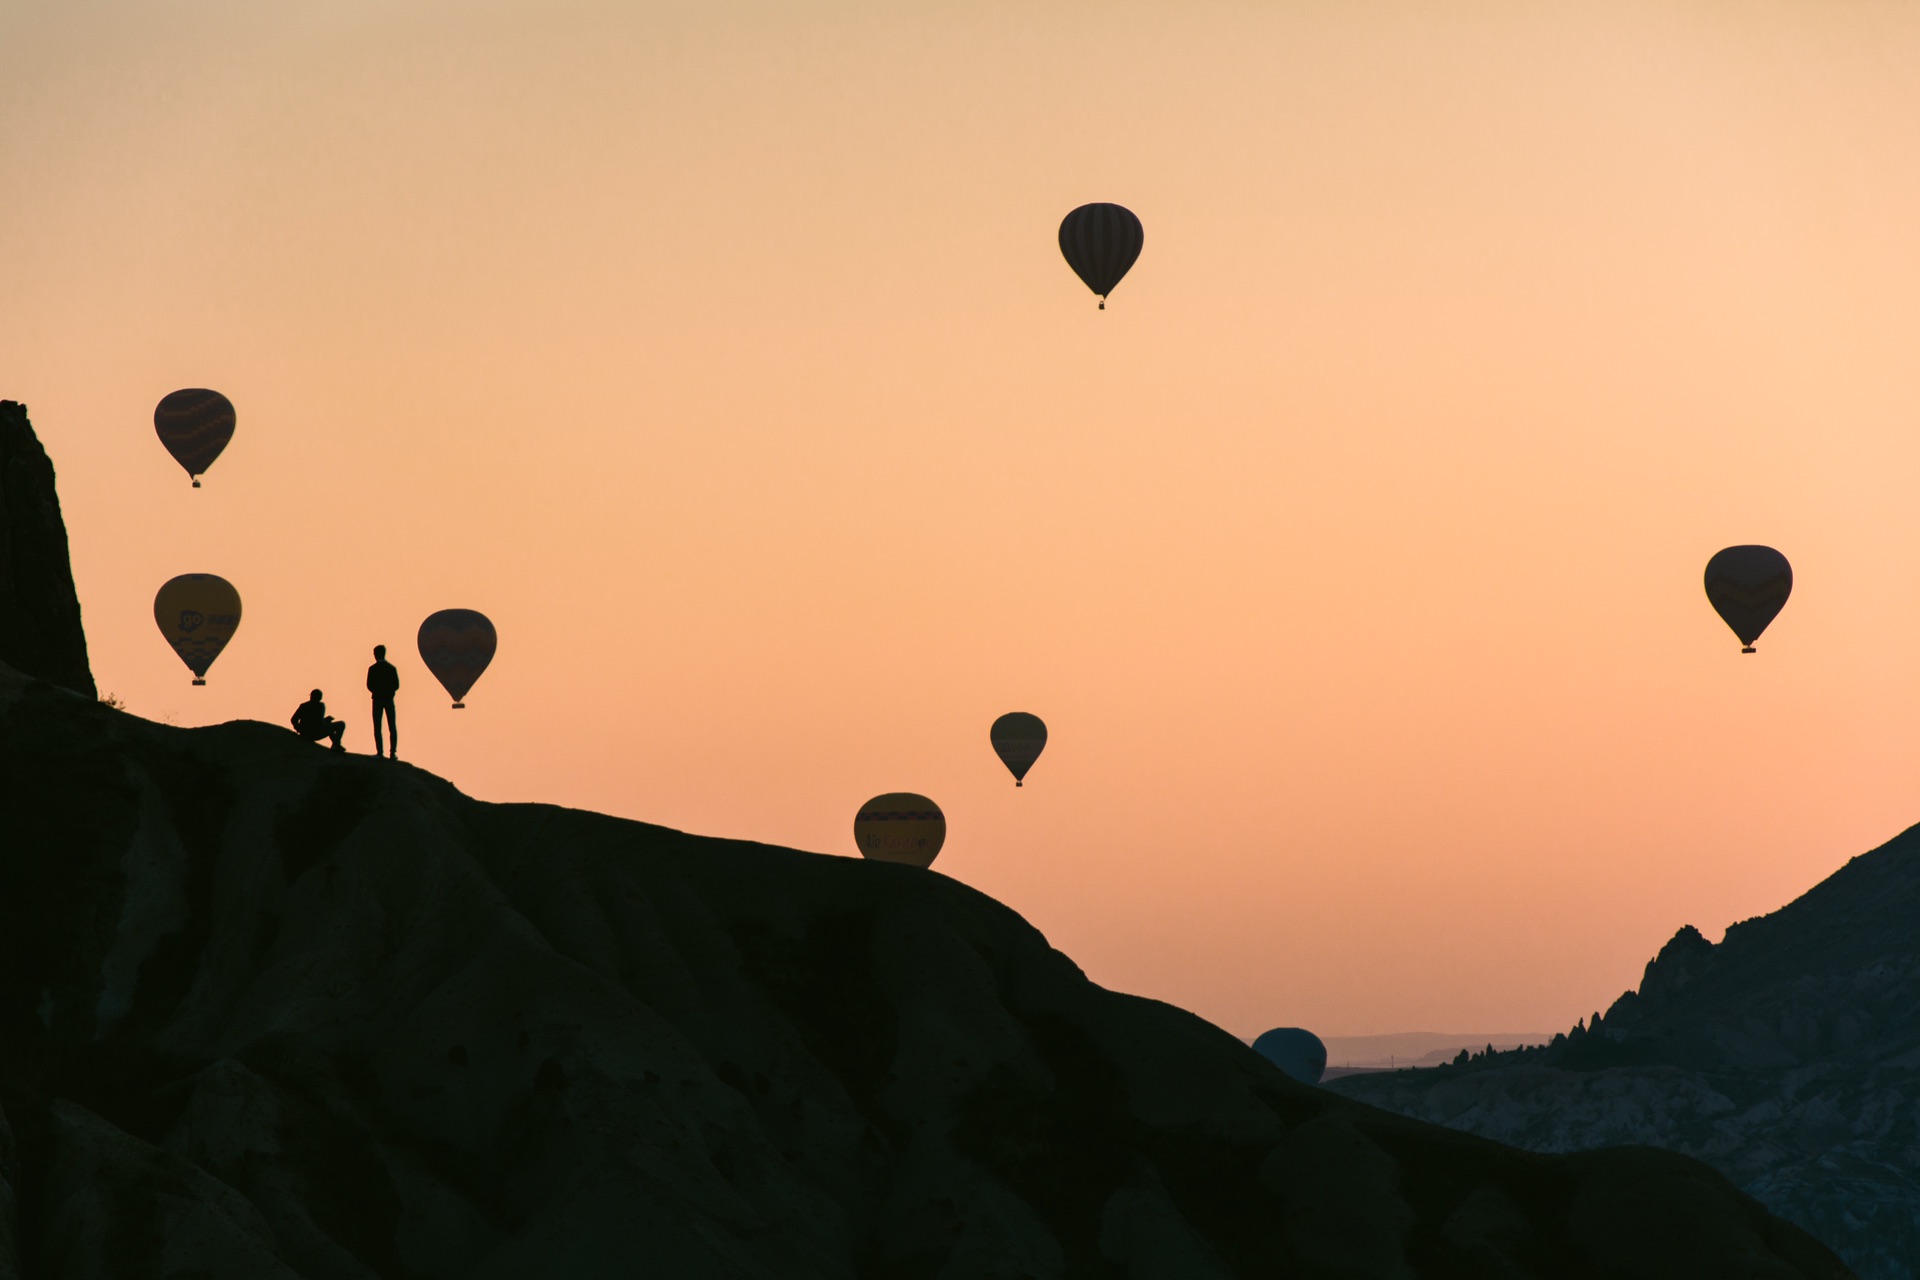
(190,619)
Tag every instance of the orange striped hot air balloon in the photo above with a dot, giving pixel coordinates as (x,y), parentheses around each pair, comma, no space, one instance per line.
(457,645)
(900,827)
(195,426)
(197,613)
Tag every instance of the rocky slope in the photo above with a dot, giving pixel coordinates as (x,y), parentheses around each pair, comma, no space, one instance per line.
(1788,1056)
(269,1011)
(39,613)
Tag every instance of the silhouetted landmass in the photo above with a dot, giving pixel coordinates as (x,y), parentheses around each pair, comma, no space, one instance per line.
(268,1011)
(40,631)
(1788,1056)
(271,1011)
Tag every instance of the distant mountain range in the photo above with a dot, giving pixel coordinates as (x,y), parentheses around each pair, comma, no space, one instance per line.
(1419,1048)
(1788,1056)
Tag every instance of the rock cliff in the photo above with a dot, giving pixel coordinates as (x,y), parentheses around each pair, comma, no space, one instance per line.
(39,613)
(1788,1056)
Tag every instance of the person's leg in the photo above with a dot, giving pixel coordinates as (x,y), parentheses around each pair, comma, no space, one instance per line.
(338,728)
(376,726)
(393,730)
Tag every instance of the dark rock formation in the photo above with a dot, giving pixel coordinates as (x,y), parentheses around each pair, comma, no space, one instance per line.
(267,1011)
(39,613)
(1788,1056)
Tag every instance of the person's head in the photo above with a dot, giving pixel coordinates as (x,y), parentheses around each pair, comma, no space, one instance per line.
(380,651)
(316,695)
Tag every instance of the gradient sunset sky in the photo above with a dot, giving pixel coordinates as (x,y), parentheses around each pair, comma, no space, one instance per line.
(721,352)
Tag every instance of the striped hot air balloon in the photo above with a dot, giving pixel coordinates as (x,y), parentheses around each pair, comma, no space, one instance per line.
(1018,739)
(1100,243)
(900,827)
(1748,586)
(195,426)
(457,645)
(197,613)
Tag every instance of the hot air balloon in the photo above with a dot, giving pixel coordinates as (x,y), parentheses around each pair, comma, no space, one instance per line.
(195,426)
(1101,242)
(900,827)
(457,645)
(1018,739)
(1748,586)
(1298,1053)
(198,613)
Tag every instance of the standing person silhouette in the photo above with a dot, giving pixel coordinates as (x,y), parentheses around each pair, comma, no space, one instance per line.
(383,681)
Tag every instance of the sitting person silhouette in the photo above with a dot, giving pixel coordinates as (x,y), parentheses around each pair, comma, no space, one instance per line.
(312,722)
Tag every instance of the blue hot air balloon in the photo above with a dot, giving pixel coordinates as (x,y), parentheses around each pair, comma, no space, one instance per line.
(1300,1054)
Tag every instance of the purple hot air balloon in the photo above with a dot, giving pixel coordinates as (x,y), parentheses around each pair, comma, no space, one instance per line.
(457,645)
(195,426)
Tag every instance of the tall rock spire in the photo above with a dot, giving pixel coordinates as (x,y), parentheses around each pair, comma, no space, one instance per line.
(40,632)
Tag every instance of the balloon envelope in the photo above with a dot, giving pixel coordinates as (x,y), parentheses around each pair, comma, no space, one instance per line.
(1298,1053)
(900,827)
(197,613)
(457,645)
(194,425)
(1018,739)
(1101,242)
(1748,586)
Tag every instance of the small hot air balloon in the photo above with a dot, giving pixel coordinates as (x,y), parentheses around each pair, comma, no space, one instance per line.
(900,827)
(195,426)
(457,645)
(198,613)
(1298,1053)
(1748,586)
(1018,739)
(1101,242)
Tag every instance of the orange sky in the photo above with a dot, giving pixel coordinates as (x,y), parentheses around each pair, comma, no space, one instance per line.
(721,352)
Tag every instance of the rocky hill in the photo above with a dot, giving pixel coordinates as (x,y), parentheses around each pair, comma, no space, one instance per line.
(1788,1056)
(268,1011)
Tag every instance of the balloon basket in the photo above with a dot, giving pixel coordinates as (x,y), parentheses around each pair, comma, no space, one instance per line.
(197,680)
(196,484)
(1749,649)
(1018,783)
(459,706)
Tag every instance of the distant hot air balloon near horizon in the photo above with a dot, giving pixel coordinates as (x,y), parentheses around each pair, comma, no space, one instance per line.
(900,827)
(197,613)
(1101,243)
(1018,739)
(1748,586)
(194,425)
(457,645)
(1299,1053)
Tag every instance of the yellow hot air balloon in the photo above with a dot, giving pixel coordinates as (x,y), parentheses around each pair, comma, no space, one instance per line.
(900,827)
(198,613)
